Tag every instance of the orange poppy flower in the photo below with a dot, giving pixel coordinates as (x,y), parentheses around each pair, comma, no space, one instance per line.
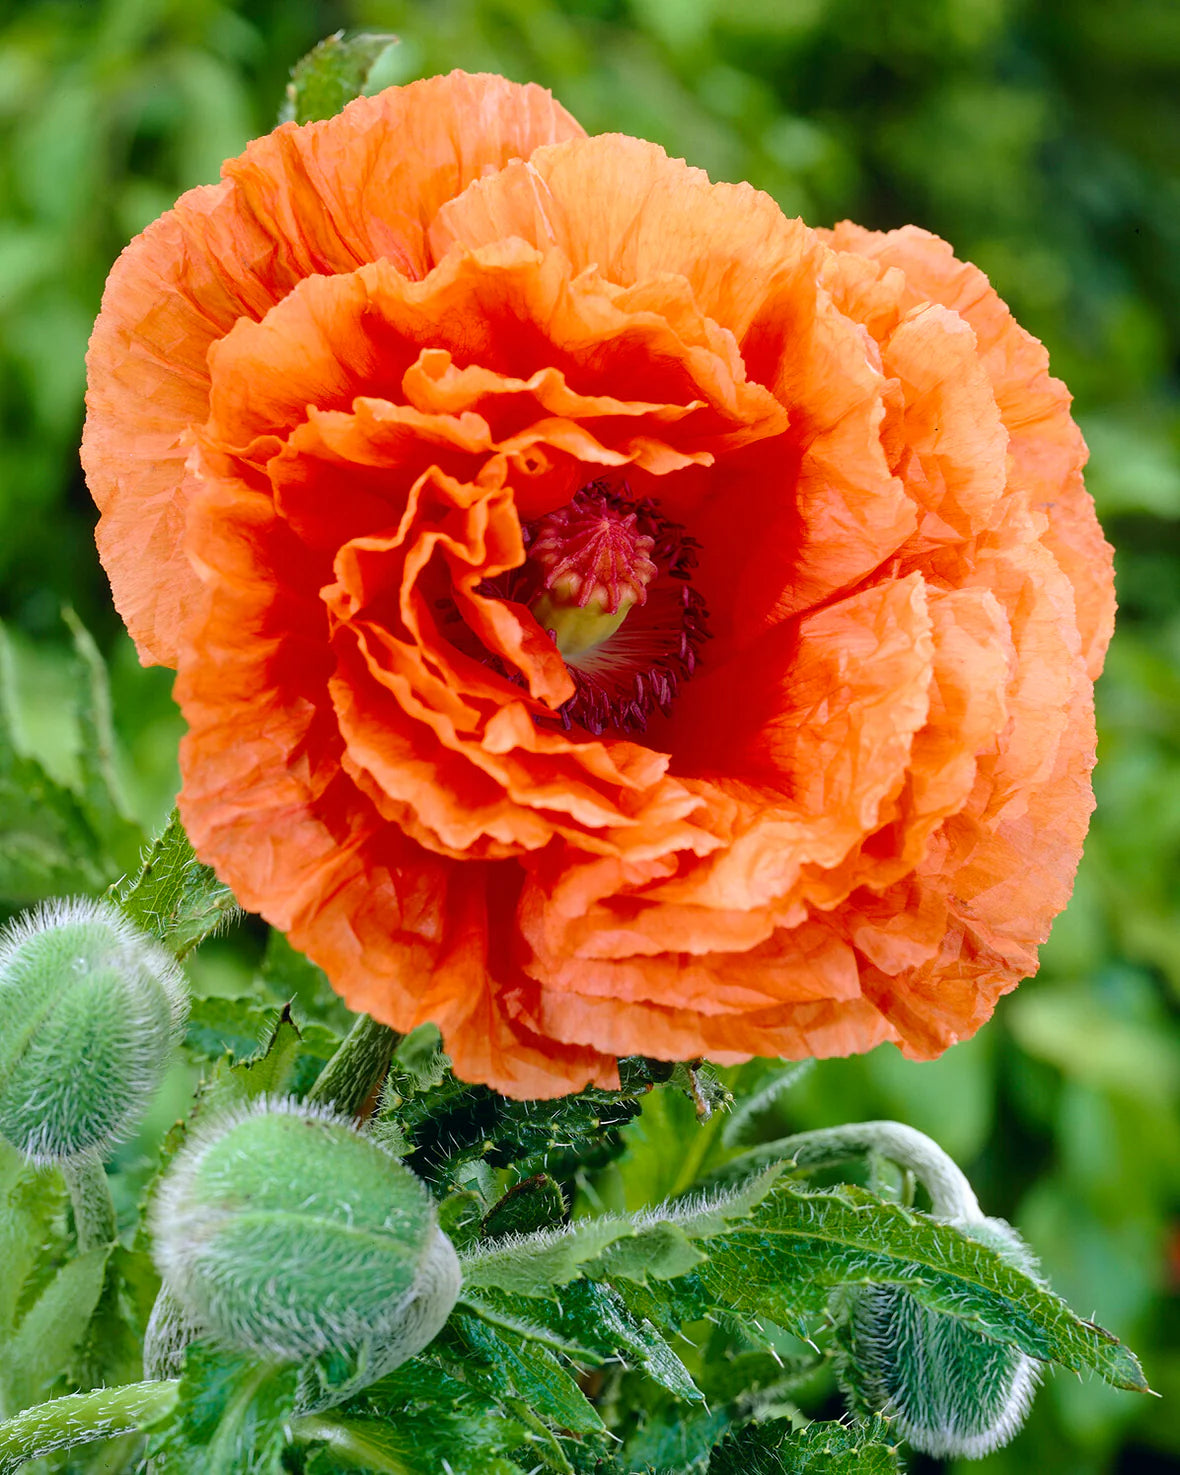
(610,617)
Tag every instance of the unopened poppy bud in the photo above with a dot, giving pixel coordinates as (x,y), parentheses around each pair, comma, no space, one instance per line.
(948,1390)
(283,1231)
(90,1008)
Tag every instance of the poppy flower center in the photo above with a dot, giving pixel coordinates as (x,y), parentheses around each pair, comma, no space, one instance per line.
(613,587)
(596,566)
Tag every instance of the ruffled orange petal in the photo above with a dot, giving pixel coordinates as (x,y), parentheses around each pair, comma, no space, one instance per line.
(319,199)
(827,508)
(1047,449)
(806,783)
(402,932)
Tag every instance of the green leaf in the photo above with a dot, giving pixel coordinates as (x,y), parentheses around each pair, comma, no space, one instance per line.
(676,1439)
(334,72)
(590,1323)
(50,847)
(100,792)
(175,897)
(52,1330)
(219,1023)
(514,1317)
(450,1123)
(661,1251)
(422,1063)
(232,1417)
(416,1421)
(821,1449)
(636,1341)
(657,1243)
(460,1215)
(273,1070)
(114,1343)
(749,1387)
(32,1204)
(800,1245)
(533,1265)
(413,1446)
(536,1204)
(513,1367)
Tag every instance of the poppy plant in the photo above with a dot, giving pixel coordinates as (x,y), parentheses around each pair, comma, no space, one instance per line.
(610,617)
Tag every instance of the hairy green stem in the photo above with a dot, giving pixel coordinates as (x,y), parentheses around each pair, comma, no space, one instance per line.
(79,1418)
(951,1196)
(358,1067)
(90,1194)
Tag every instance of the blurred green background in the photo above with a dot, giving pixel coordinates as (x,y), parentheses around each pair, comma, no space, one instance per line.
(1042,138)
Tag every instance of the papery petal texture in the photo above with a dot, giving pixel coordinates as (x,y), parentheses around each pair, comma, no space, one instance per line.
(822,782)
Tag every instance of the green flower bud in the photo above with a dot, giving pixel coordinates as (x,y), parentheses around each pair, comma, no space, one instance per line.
(283,1231)
(948,1390)
(89,1011)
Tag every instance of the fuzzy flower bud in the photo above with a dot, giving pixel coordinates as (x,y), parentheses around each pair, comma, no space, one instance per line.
(90,1008)
(950,1391)
(282,1230)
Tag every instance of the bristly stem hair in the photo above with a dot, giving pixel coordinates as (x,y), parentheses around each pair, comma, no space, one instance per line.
(90,1194)
(354,1074)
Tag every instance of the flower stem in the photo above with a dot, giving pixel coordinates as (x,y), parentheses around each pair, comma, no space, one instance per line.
(80,1417)
(358,1067)
(951,1196)
(90,1193)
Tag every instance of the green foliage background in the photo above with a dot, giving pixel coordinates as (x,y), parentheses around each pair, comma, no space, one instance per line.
(1041,137)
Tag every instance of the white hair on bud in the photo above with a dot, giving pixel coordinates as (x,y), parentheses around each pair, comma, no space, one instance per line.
(950,1390)
(63,1097)
(82,911)
(938,1421)
(380,1340)
(170,1209)
(420,1318)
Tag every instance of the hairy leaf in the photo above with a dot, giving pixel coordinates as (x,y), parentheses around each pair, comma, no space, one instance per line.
(674,1439)
(821,1449)
(175,897)
(100,792)
(531,1265)
(800,1245)
(450,1123)
(232,1417)
(286,1062)
(416,1421)
(336,71)
(235,1024)
(536,1204)
(513,1367)
(32,1205)
(52,1330)
(656,1243)
(591,1322)
(50,845)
